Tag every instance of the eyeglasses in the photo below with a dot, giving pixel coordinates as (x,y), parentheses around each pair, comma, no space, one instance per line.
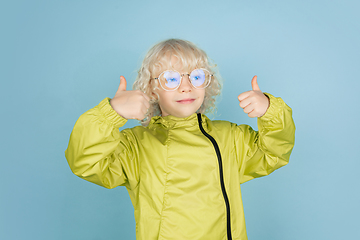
(170,80)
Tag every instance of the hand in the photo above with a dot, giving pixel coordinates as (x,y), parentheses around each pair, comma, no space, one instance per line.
(130,104)
(254,103)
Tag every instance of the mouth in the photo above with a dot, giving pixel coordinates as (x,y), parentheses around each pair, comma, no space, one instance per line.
(186,100)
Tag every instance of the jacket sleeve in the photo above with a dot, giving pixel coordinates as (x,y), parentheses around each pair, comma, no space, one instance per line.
(98,152)
(263,151)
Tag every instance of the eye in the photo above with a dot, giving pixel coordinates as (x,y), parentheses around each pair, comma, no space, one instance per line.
(198,77)
(171,79)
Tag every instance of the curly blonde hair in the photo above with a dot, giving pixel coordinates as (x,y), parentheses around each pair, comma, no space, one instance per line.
(190,57)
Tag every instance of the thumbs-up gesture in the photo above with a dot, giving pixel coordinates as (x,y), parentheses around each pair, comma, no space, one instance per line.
(130,104)
(254,103)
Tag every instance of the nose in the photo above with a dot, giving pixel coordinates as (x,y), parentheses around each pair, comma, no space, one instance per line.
(185,85)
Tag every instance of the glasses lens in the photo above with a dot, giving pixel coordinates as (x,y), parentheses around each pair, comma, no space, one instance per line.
(200,78)
(170,79)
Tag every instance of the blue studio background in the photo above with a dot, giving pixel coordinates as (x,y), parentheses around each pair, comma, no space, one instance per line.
(61,58)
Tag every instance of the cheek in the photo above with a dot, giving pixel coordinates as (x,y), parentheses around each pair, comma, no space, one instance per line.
(164,97)
(201,98)
(202,95)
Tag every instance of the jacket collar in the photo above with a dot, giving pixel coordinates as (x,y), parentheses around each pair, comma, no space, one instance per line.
(176,122)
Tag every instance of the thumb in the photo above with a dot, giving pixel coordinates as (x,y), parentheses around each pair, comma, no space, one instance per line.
(254,84)
(122,86)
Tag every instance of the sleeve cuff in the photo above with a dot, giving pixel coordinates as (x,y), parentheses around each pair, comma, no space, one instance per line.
(275,108)
(110,114)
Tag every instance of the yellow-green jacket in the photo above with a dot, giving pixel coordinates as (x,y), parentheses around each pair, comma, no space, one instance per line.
(181,187)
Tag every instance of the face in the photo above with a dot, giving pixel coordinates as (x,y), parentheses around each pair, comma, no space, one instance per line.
(182,102)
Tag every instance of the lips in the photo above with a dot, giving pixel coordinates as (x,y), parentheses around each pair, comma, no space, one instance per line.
(186,100)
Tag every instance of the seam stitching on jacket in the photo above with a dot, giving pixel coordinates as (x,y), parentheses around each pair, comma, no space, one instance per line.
(165,183)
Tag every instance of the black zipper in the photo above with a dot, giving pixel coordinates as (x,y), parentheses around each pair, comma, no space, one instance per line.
(217,150)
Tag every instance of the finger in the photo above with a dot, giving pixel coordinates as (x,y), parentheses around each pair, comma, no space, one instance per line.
(146,97)
(252,114)
(248,109)
(254,84)
(122,86)
(146,104)
(243,95)
(245,102)
(142,114)
(144,111)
